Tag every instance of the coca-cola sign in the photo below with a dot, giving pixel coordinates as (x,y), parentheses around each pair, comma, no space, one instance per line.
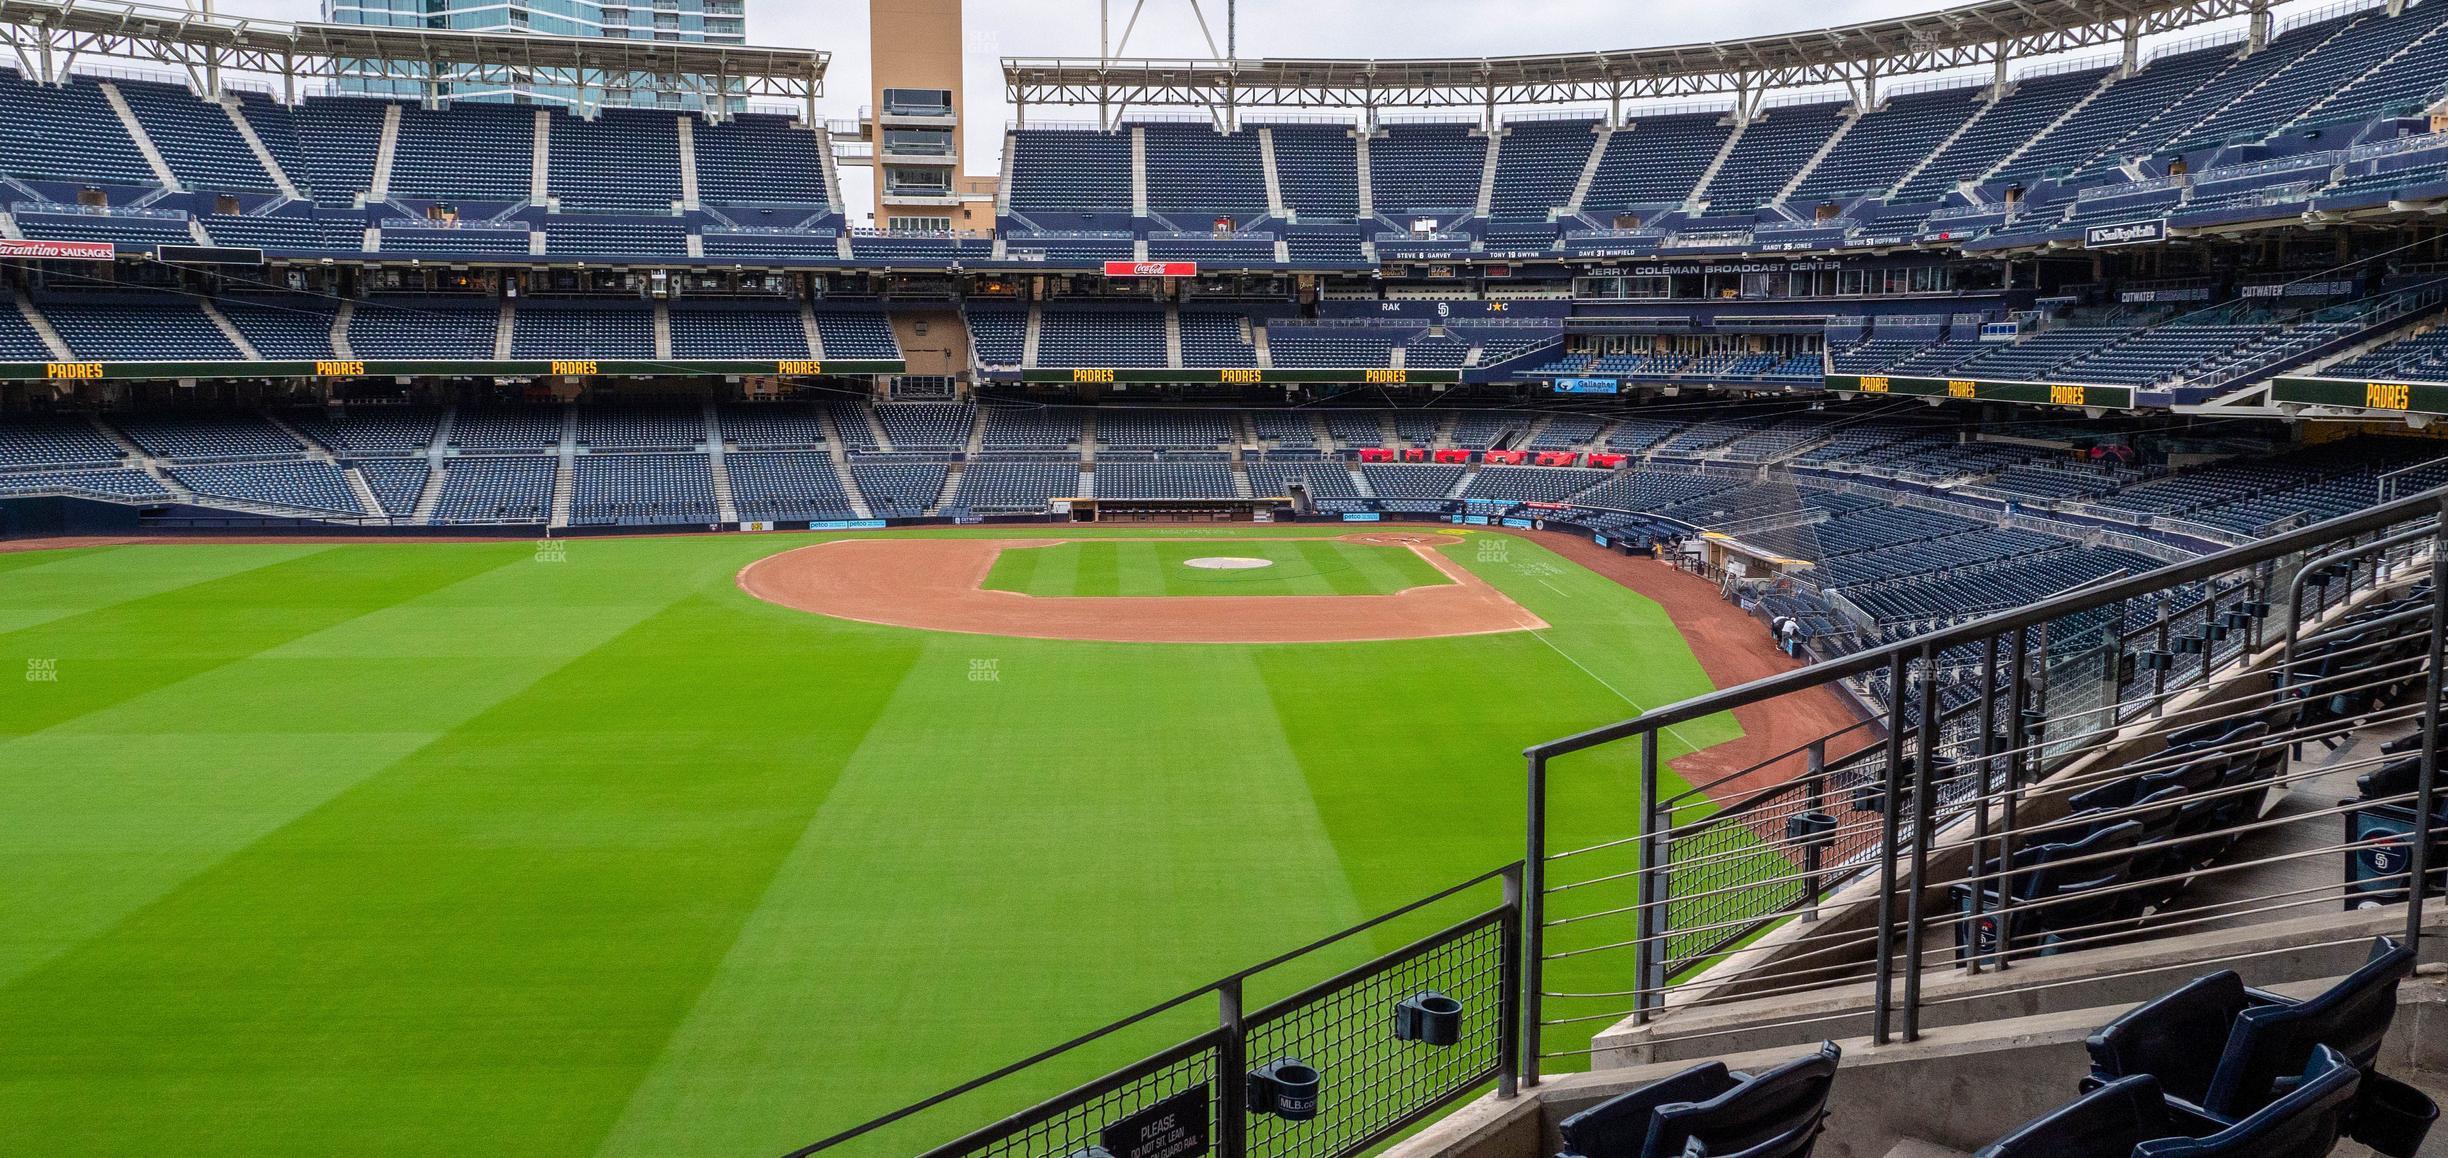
(1151,269)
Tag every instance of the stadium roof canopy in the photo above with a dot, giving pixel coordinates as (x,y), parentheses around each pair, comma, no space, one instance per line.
(51,36)
(1989,33)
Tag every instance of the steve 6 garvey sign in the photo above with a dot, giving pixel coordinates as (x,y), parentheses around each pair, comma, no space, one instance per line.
(1151,269)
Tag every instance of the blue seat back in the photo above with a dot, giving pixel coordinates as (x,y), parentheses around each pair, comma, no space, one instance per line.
(1617,1127)
(2169,1036)
(2272,1042)
(1775,1114)
(2305,1123)
(2106,1123)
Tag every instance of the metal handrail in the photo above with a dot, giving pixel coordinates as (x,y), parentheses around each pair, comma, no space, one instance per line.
(2245,578)
(1228,985)
(1868,660)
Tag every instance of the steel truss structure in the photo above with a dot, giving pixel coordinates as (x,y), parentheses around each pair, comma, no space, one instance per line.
(1991,34)
(49,37)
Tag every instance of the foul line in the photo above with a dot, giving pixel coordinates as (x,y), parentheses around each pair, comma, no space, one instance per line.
(1541,636)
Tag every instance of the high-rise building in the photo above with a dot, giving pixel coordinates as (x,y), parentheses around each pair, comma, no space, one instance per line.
(913,124)
(683,21)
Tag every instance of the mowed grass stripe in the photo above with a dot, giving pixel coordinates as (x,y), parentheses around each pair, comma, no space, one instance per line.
(116,652)
(482,947)
(957,905)
(1139,569)
(110,810)
(19,560)
(44,586)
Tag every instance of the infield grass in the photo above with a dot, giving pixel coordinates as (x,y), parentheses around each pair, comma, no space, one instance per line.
(1108,567)
(451,848)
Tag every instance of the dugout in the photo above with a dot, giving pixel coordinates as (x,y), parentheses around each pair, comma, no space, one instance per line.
(1729,557)
(1232,510)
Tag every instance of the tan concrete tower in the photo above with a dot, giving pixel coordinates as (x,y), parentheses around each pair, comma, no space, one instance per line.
(913,120)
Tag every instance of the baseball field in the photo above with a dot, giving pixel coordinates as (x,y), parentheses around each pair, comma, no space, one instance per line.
(602,848)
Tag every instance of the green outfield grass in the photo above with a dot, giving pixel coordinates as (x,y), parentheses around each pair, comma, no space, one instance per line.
(470,848)
(1107,567)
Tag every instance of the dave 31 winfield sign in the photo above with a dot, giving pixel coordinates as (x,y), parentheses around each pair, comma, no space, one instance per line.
(1151,269)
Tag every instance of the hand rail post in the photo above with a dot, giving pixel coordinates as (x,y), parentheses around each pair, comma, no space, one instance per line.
(2018,737)
(1650,955)
(1924,804)
(1988,785)
(1814,774)
(2426,791)
(2210,629)
(2159,675)
(1509,989)
(1534,920)
(1232,1072)
(1891,810)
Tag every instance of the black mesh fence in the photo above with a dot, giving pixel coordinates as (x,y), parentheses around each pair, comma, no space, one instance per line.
(1178,1090)
(1372,1083)
(1338,1067)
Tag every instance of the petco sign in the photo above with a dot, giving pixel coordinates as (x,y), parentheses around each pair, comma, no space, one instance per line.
(57,250)
(2129,233)
(1151,269)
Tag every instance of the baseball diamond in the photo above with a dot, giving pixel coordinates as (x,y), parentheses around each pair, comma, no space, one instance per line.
(1446,580)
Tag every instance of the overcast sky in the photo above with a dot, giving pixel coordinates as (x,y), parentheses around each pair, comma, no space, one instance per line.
(1382,28)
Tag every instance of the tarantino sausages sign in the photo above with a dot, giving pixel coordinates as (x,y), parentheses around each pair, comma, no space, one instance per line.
(57,250)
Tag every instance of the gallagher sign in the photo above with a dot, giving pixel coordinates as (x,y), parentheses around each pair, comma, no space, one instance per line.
(2128,233)
(1151,269)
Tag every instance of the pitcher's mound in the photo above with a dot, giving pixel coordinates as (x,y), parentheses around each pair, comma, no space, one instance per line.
(1227,563)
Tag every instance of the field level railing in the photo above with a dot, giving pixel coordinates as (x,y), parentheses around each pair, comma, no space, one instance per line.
(1339,1065)
(1938,823)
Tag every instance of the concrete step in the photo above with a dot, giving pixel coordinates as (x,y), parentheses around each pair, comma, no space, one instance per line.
(1916,1148)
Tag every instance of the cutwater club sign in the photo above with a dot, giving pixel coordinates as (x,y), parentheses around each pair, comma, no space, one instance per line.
(2128,233)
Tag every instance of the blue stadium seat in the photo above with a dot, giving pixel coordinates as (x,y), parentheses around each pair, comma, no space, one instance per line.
(1318,169)
(67,133)
(2130,1119)
(622,159)
(195,138)
(2266,1038)
(473,152)
(1708,1109)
